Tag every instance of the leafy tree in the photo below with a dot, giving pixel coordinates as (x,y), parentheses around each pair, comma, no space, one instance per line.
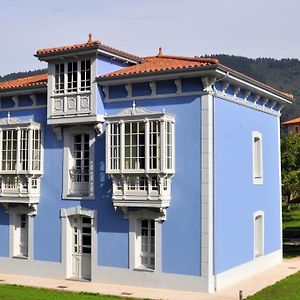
(290,163)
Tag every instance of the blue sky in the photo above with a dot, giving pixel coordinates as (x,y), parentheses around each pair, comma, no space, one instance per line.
(256,28)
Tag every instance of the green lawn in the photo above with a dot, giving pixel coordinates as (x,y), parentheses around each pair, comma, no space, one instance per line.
(291,229)
(286,289)
(17,292)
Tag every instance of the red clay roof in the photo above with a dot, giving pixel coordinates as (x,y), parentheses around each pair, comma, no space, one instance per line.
(293,121)
(167,62)
(24,82)
(163,63)
(88,45)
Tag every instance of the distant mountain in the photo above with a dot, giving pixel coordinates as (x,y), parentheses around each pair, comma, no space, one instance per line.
(283,75)
(17,75)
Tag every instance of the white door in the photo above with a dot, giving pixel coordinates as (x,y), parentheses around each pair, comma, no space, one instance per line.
(81,247)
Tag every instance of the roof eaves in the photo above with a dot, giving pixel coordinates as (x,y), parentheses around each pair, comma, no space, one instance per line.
(253,81)
(161,73)
(42,87)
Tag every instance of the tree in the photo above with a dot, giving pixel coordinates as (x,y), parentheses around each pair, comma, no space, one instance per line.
(290,164)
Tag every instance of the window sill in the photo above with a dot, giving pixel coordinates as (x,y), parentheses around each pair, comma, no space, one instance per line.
(77,197)
(143,269)
(20,257)
(258,181)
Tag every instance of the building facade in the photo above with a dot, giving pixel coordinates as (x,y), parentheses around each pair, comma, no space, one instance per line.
(293,126)
(162,171)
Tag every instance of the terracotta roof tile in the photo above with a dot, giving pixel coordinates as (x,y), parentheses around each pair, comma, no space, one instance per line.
(88,45)
(293,121)
(163,63)
(24,82)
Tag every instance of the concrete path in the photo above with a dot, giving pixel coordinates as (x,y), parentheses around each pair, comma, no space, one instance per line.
(249,286)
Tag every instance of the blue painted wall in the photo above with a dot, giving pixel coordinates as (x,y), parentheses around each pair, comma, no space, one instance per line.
(105,65)
(181,231)
(4,232)
(236,197)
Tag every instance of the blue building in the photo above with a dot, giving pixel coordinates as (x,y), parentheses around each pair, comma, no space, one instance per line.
(161,171)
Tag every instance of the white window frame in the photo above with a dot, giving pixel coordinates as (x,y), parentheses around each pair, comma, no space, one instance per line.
(257,157)
(79,85)
(135,218)
(16,182)
(116,152)
(68,163)
(258,252)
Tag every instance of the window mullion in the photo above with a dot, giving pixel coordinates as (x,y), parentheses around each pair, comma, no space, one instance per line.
(163,147)
(147,158)
(30,140)
(65,77)
(122,146)
(1,148)
(18,150)
(108,146)
(78,77)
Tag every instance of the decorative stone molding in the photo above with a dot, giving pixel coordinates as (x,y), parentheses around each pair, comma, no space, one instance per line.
(58,132)
(99,129)
(236,90)
(128,88)
(152,85)
(225,86)
(208,83)
(178,86)
(256,98)
(15,99)
(106,92)
(33,99)
(265,101)
(246,95)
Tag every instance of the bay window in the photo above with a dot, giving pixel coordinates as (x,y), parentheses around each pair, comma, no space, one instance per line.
(140,157)
(21,159)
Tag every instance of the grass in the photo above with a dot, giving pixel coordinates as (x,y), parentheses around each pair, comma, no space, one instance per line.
(291,229)
(17,292)
(287,289)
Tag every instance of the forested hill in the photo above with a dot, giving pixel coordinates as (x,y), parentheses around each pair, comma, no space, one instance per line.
(17,75)
(283,75)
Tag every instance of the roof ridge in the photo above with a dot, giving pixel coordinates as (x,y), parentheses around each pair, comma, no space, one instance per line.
(190,58)
(89,44)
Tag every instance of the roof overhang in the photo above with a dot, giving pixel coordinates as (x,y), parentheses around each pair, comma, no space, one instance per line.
(218,71)
(23,90)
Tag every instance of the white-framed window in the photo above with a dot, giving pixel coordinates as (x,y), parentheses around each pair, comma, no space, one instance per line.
(85,72)
(258,219)
(78,162)
(72,76)
(17,143)
(146,242)
(145,227)
(59,78)
(21,156)
(140,146)
(140,157)
(257,158)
